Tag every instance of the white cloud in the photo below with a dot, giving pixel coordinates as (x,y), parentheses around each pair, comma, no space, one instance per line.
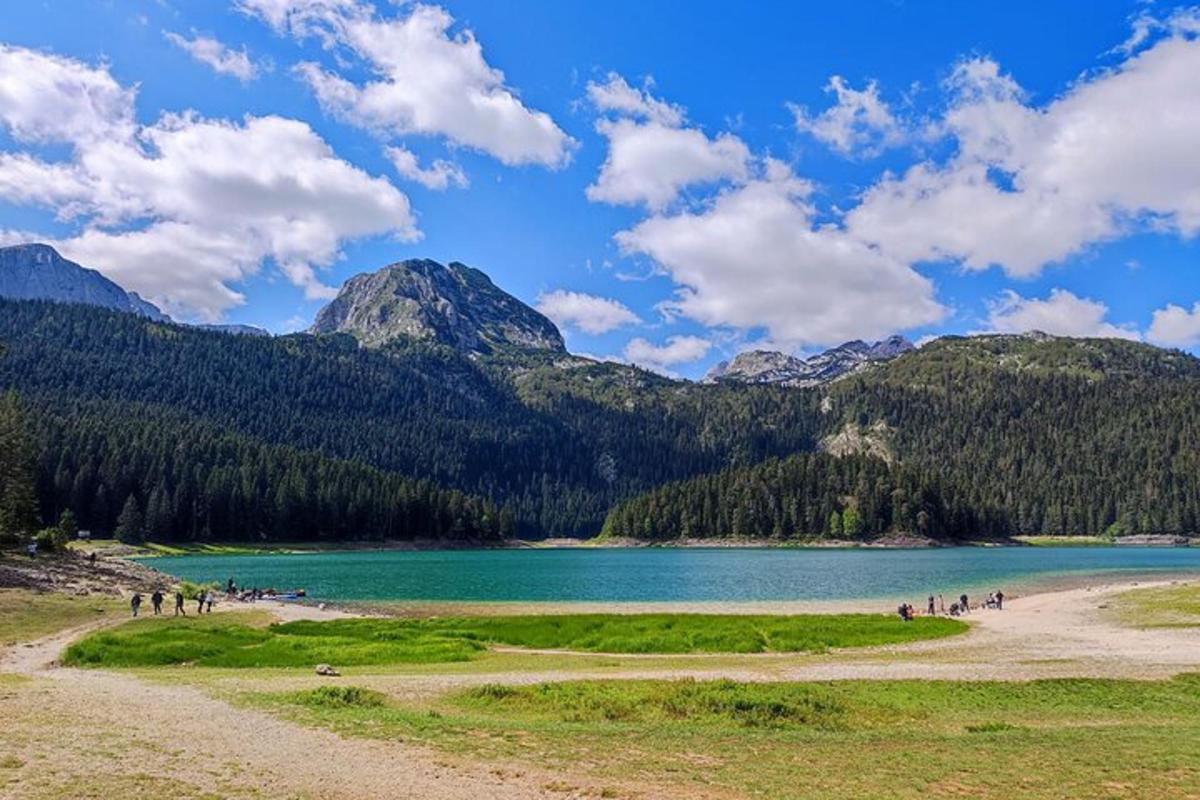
(616,95)
(1060,314)
(427,80)
(438,177)
(587,312)
(677,350)
(1175,326)
(651,156)
(181,209)
(1031,186)
(223,59)
(48,98)
(859,123)
(755,258)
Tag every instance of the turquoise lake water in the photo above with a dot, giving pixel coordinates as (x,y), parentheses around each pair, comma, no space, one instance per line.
(650,575)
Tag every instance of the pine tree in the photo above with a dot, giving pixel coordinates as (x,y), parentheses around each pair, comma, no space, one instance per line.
(130,525)
(18,500)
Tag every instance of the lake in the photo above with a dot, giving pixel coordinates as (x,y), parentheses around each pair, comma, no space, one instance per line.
(660,574)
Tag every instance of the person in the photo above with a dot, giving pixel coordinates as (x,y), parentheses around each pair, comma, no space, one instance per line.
(954,609)
(156,601)
(902,610)
(231,587)
(31,549)
(200,602)
(92,558)
(999,601)
(179,603)
(208,598)
(963,605)
(135,603)
(932,609)
(941,604)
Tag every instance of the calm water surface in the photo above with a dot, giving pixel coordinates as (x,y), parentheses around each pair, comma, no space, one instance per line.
(649,575)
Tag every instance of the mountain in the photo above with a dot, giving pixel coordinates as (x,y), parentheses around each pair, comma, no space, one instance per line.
(470,421)
(768,366)
(454,305)
(38,272)
(969,437)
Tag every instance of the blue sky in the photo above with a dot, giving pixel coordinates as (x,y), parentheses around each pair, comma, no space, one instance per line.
(672,182)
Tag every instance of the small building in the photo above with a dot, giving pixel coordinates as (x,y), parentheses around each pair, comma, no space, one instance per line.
(84,535)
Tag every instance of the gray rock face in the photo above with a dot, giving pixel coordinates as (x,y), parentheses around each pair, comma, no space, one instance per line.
(455,305)
(38,272)
(767,366)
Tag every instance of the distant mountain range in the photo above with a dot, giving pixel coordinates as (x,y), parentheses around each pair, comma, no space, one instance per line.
(768,366)
(37,272)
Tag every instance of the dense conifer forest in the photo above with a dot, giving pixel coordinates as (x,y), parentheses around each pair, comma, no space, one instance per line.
(146,428)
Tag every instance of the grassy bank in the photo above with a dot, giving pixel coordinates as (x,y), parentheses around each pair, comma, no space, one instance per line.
(25,615)
(908,739)
(218,642)
(1161,607)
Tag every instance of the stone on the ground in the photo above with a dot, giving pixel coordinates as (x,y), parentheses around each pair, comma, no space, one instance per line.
(325,669)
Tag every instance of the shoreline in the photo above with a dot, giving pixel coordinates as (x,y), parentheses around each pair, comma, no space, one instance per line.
(164,550)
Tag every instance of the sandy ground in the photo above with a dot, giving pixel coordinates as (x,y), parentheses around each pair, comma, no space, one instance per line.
(203,746)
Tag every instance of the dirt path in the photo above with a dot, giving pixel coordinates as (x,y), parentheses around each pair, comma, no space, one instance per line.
(177,739)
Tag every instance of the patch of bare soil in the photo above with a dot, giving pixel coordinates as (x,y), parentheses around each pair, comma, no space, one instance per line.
(76,574)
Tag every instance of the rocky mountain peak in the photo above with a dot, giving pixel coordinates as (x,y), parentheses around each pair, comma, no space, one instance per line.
(768,366)
(452,304)
(36,271)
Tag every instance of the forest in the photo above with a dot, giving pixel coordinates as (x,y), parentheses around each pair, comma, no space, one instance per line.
(194,435)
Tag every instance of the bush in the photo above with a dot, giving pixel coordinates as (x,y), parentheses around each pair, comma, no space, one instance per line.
(52,540)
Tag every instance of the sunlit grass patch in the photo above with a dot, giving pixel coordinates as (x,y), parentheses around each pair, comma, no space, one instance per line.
(1160,606)
(216,642)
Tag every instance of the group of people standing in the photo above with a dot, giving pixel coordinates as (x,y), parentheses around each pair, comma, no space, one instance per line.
(204,600)
(937,606)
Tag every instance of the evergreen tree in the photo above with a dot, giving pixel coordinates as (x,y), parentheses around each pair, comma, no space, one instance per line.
(18,501)
(130,525)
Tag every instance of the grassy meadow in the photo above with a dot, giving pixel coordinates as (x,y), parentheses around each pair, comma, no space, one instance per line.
(224,642)
(847,739)
(1176,606)
(25,615)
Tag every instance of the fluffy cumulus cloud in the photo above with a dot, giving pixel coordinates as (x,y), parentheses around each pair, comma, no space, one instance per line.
(859,123)
(587,312)
(660,358)
(755,258)
(1060,314)
(652,154)
(439,175)
(1030,186)
(223,60)
(426,79)
(182,209)
(1176,326)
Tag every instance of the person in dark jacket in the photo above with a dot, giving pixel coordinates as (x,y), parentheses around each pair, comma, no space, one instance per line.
(156,601)
(179,603)
(135,603)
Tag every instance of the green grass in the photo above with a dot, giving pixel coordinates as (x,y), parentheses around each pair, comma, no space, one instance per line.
(1161,607)
(26,616)
(849,739)
(361,642)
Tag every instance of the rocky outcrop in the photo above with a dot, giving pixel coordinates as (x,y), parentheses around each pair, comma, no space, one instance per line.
(422,299)
(767,366)
(861,440)
(38,272)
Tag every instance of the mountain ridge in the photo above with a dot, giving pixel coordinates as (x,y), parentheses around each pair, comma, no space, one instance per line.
(770,366)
